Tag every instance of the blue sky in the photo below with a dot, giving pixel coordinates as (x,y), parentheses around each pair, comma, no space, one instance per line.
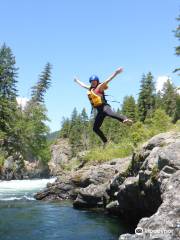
(81,38)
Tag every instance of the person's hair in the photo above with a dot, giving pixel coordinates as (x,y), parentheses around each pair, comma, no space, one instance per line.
(93,87)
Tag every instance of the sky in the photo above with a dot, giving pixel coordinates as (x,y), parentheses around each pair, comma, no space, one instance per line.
(81,38)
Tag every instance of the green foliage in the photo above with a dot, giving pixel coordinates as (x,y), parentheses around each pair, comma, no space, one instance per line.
(138,133)
(2,158)
(65,130)
(123,140)
(71,165)
(159,122)
(154,174)
(75,133)
(99,154)
(33,121)
(22,130)
(177,109)
(177,35)
(177,126)
(159,100)
(8,92)
(129,108)
(35,131)
(169,98)
(135,164)
(146,100)
(42,85)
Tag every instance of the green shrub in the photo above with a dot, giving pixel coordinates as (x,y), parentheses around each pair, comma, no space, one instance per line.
(139,133)
(109,152)
(2,158)
(154,174)
(160,122)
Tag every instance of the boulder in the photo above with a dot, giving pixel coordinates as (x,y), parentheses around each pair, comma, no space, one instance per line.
(13,167)
(36,169)
(70,184)
(165,223)
(61,154)
(159,179)
(91,197)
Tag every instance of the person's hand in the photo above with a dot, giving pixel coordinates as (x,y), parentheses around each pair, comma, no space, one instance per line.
(119,70)
(75,79)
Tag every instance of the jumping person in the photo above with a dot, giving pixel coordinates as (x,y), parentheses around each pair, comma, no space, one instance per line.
(97,98)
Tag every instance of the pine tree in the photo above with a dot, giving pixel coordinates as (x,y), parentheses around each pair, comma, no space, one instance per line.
(141,99)
(159,122)
(169,98)
(177,35)
(129,108)
(8,93)
(84,116)
(158,100)
(74,116)
(65,129)
(85,129)
(177,111)
(36,117)
(146,100)
(43,84)
(75,132)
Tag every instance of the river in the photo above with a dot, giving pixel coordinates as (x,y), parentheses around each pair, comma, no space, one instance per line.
(24,218)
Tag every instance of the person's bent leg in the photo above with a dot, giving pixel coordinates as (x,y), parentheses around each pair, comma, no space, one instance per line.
(97,124)
(109,112)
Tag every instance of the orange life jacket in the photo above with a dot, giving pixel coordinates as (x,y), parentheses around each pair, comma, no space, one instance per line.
(95,99)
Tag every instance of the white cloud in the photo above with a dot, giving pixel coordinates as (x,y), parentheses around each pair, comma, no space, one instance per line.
(160,82)
(22,101)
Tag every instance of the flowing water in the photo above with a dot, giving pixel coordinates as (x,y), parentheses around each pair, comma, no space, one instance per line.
(24,218)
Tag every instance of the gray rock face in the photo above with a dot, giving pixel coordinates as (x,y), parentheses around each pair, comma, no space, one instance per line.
(35,169)
(61,153)
(91,196)
(13,167)
(159,172)
(165,223)
(86,186)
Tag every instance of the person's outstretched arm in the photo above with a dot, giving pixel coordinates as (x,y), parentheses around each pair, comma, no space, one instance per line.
(81,83)
(103,85)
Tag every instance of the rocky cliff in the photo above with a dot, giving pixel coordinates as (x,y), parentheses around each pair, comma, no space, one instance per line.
(158,181)
(143,189)
(60,155)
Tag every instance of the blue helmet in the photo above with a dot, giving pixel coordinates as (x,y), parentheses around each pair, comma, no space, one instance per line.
(93,78)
